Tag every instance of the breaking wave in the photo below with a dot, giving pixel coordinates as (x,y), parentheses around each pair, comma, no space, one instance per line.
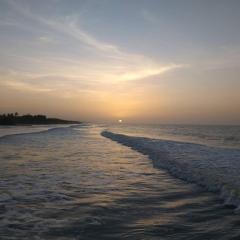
(7,131)
(216,169)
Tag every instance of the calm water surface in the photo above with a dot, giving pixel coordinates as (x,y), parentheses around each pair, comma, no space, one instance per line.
(72,183)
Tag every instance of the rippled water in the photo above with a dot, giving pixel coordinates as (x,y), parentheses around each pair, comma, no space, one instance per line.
(211,135)
(72,183)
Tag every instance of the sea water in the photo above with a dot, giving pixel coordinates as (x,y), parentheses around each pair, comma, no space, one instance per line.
(101,182)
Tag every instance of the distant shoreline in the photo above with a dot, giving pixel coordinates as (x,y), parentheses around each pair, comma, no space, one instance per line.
(11,119)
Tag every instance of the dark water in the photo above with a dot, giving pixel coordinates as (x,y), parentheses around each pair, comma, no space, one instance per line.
(72,183)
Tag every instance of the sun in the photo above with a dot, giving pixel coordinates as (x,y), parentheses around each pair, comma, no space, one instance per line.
(120,120)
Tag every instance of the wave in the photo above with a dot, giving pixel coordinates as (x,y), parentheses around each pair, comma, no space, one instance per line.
(216,169)
(34,130)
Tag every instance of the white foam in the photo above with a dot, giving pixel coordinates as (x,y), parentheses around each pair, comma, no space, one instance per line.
(217,169)
(28,129)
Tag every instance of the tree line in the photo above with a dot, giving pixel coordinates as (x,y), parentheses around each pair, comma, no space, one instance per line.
(16,119)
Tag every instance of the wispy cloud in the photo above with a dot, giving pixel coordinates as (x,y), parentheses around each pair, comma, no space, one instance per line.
(114,64)
(46,39)
(22,86)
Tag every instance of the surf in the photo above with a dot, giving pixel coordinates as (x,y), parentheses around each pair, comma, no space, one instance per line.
(216,169)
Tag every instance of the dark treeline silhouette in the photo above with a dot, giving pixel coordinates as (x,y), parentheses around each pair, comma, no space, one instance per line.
(15,119)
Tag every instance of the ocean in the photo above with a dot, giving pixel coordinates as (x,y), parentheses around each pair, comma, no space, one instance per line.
(102,181)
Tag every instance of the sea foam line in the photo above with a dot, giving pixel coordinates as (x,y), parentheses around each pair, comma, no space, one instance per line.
(34,130)
(216,169)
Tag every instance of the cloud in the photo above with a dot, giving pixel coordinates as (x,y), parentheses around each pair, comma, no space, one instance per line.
(110,63)
(46,39)
(17,85)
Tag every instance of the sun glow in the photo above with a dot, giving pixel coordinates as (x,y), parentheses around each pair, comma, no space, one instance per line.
(120,120)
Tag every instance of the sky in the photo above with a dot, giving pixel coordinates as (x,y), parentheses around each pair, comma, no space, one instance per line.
(152,61)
